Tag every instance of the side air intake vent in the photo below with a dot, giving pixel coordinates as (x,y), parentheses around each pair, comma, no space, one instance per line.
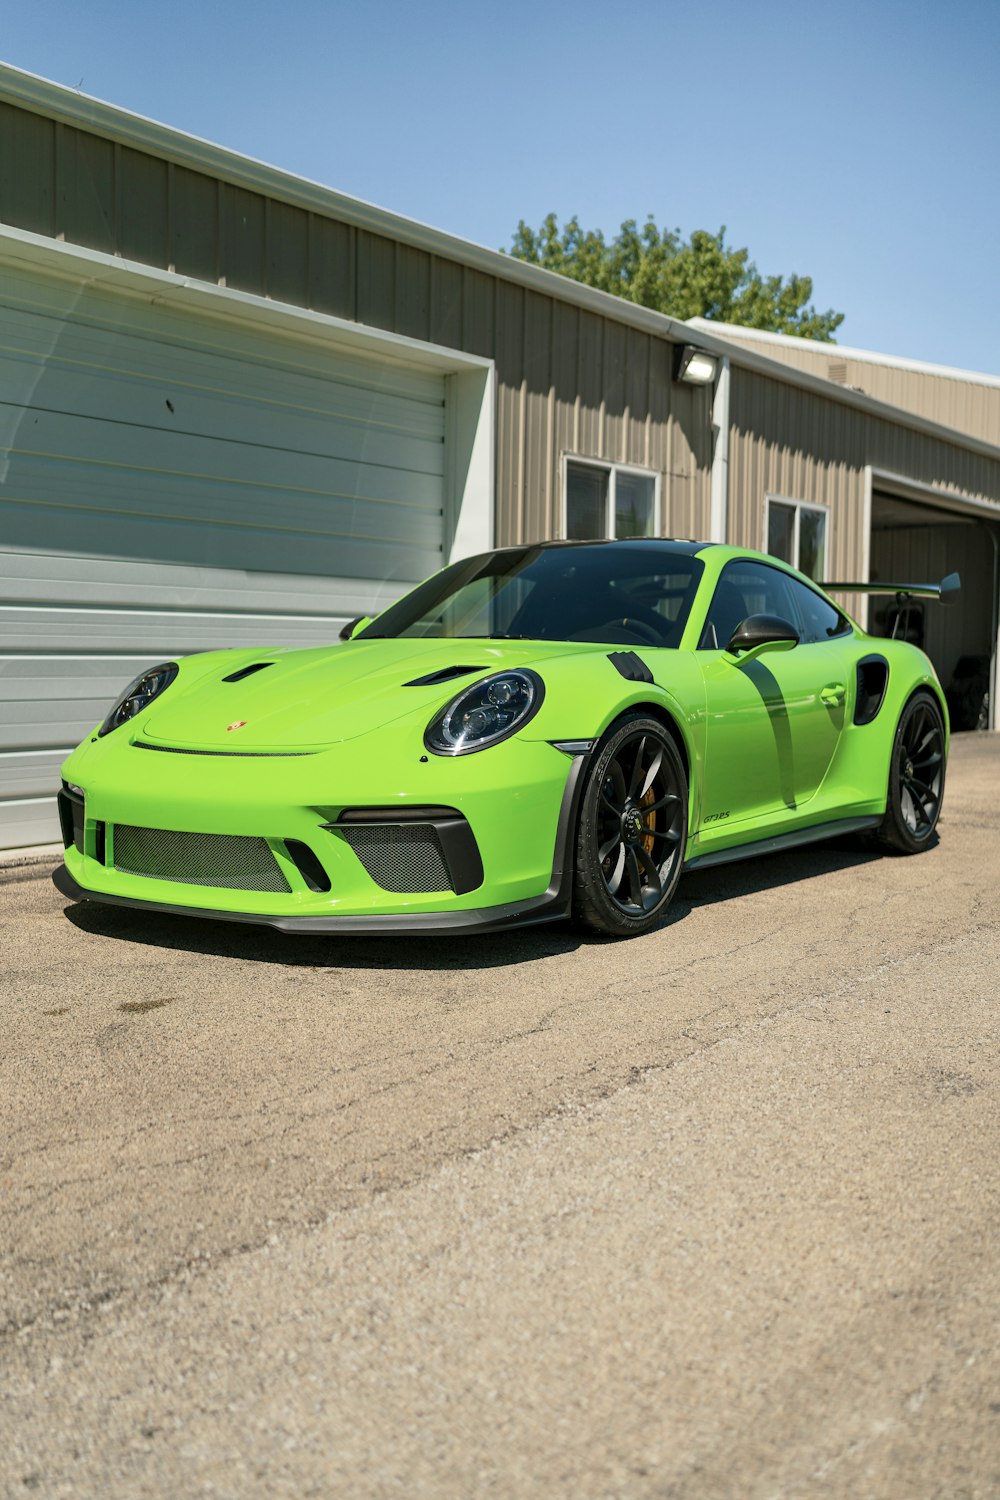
(71,817)
(873,679)
(308,865)
(232,861)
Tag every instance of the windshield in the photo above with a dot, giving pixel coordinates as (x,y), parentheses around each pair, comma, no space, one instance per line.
(627,593)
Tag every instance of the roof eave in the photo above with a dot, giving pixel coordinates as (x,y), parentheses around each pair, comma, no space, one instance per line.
(847,351)
(41,96)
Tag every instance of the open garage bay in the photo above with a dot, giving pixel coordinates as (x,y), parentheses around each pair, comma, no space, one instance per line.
(710,1213)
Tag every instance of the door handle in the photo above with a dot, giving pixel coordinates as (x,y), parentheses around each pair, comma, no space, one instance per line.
(833,694)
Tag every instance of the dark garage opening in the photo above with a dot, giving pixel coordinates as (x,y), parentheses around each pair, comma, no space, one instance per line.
(913,542)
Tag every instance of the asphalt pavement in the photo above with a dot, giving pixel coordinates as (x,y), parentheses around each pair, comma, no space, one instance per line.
(710,1213)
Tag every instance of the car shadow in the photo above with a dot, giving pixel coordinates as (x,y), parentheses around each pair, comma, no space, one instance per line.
(387,953)
(766,872)
(219,939)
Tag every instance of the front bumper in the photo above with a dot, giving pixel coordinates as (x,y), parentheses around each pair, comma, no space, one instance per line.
(518,800)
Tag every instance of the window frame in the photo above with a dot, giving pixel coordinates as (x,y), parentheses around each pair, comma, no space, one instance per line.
(612,469)
(798,506)
(781,567)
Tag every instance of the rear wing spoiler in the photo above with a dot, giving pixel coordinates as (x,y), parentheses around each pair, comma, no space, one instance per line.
(945,592)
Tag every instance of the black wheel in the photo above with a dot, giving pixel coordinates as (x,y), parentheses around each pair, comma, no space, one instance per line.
(916,777)
(632,830)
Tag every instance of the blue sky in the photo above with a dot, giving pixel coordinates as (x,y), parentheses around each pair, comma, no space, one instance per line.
(855,143)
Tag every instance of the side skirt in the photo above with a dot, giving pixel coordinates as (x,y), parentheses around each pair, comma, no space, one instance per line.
(782,841)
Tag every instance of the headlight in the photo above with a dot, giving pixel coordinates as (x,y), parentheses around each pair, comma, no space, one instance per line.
(485,713)
(139,695)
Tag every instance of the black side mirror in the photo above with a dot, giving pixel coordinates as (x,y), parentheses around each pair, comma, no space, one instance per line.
(757,632)
(346,631)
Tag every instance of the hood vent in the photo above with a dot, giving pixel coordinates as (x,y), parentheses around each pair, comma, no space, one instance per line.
(258,666)
(445,675)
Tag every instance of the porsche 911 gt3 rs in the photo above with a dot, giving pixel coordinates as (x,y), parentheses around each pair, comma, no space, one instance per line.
(539,732)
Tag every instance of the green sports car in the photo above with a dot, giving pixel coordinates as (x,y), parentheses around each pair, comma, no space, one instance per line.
(537,732)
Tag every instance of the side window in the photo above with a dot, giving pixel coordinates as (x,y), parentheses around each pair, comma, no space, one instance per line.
(746,588)
(817,620)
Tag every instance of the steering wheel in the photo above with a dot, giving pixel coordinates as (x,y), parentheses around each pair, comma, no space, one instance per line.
(640,628)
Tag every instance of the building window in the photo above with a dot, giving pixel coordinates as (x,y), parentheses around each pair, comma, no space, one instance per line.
(797,534)
(609,500)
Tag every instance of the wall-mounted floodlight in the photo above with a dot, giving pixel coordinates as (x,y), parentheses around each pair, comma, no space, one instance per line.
(694,366)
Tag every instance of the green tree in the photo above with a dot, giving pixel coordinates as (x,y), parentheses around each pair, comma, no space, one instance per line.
(697,277)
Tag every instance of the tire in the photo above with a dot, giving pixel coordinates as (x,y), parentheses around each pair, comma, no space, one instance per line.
(632,829)
(916,778)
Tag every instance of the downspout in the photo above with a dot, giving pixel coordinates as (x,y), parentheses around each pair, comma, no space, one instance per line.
(719,494)
(863,608)
(994,717)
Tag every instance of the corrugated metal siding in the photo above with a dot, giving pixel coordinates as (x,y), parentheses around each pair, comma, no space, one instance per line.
(786,441)
(597,389)
(569,381)
(962,404)
(689,456)
(801,354)
(968,406)
(819,466)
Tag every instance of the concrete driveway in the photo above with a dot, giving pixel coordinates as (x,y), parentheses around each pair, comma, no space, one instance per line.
(712,1213)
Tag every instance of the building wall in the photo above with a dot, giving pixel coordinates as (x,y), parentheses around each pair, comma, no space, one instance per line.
(789,442)
(568,380)
(967,404)
(573,382)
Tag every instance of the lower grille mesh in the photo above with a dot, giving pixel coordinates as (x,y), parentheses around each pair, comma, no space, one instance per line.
(405,859)
(230,860)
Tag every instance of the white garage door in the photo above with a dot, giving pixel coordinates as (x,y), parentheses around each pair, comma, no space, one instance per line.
(171,482)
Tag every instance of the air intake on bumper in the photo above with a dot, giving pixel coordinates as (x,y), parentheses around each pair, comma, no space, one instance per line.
(413,850)
(231,861)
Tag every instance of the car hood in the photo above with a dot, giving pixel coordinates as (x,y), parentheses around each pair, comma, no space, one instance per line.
(314,698)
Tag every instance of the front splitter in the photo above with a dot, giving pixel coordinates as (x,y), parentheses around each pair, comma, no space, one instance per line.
(551,906)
